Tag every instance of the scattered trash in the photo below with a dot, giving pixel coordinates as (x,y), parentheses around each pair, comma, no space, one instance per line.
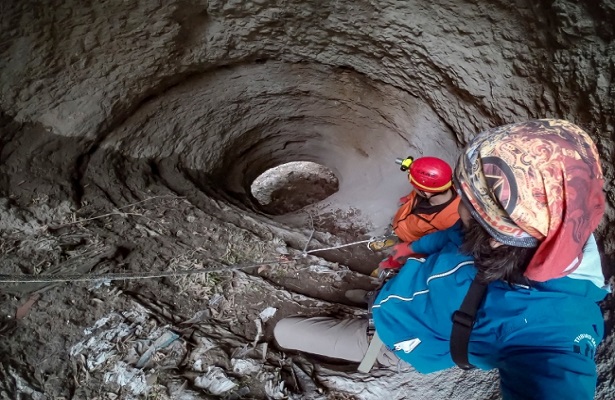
(163,341)
(259,332)
(267,313)
(23,387)
(322,269)
(215,299)
(101,345)
(97,284)
(197,355)
(264,347)
(215,381)
(274,386)
(245,367)
(127,377)
(97,325)
(282,250)
(122,345)
(241,352)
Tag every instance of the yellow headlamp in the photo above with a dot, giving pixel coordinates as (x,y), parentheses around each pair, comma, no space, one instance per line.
(404,163)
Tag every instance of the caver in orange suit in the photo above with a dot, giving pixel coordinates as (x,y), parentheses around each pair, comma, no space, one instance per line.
(416,217)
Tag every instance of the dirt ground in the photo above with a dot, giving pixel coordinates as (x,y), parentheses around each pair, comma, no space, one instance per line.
(194,336)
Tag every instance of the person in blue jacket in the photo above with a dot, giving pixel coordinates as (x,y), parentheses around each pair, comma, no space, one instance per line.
(531,197)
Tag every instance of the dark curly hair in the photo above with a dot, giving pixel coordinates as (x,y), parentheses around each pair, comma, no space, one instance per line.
(506,263)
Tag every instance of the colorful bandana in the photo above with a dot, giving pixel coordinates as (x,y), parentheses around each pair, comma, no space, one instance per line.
(536,183)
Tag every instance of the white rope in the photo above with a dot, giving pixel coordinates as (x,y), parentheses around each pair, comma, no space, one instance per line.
(148,275)
(340,246)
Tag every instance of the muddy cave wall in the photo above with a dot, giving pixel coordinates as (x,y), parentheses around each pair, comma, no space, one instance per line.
(81,71)
(110,99)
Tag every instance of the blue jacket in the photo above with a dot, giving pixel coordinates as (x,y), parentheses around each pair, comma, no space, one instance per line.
(542,339)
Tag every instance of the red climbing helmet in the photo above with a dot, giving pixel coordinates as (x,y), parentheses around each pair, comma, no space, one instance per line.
(430,174)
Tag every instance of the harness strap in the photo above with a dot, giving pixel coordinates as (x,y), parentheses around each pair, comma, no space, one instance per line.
(375,344)
(463,322)
(371,355)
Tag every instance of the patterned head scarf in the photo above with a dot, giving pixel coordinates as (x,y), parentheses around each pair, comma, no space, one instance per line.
(535,184)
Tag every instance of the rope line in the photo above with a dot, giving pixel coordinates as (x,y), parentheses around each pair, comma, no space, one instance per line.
(128,275)
(51,278)
(305,253)
(159,274)
(340,246)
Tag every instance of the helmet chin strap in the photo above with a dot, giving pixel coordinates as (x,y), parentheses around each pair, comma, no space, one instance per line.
(426,195)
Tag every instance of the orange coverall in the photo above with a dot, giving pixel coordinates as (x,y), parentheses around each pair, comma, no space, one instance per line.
(416,217)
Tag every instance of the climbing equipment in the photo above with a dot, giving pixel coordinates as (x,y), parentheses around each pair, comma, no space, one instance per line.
(382,243)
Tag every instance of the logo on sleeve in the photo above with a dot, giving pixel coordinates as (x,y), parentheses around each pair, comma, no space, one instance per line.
(585,344)
(407,346)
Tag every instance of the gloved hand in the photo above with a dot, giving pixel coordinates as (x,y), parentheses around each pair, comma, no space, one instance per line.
(387,263)
(401,252)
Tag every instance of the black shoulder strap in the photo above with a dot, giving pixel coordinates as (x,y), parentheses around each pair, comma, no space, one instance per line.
(463,322)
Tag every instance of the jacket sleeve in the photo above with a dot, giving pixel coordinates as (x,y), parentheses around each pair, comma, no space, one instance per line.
(431,243)
(547,374)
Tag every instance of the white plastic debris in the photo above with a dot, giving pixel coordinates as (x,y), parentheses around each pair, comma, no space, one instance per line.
(117,341)
(267,313)
(24,387)
(259,331)
(163,341)
(214,381)
(198,366)
(274,386)
(282,250)
(245,367)
(215,299)
(198,354)
(97,284)
(101,346)
(321,269)
(128,377)
(101,322)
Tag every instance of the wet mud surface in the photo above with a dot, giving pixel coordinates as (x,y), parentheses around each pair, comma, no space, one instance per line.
(87,339)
